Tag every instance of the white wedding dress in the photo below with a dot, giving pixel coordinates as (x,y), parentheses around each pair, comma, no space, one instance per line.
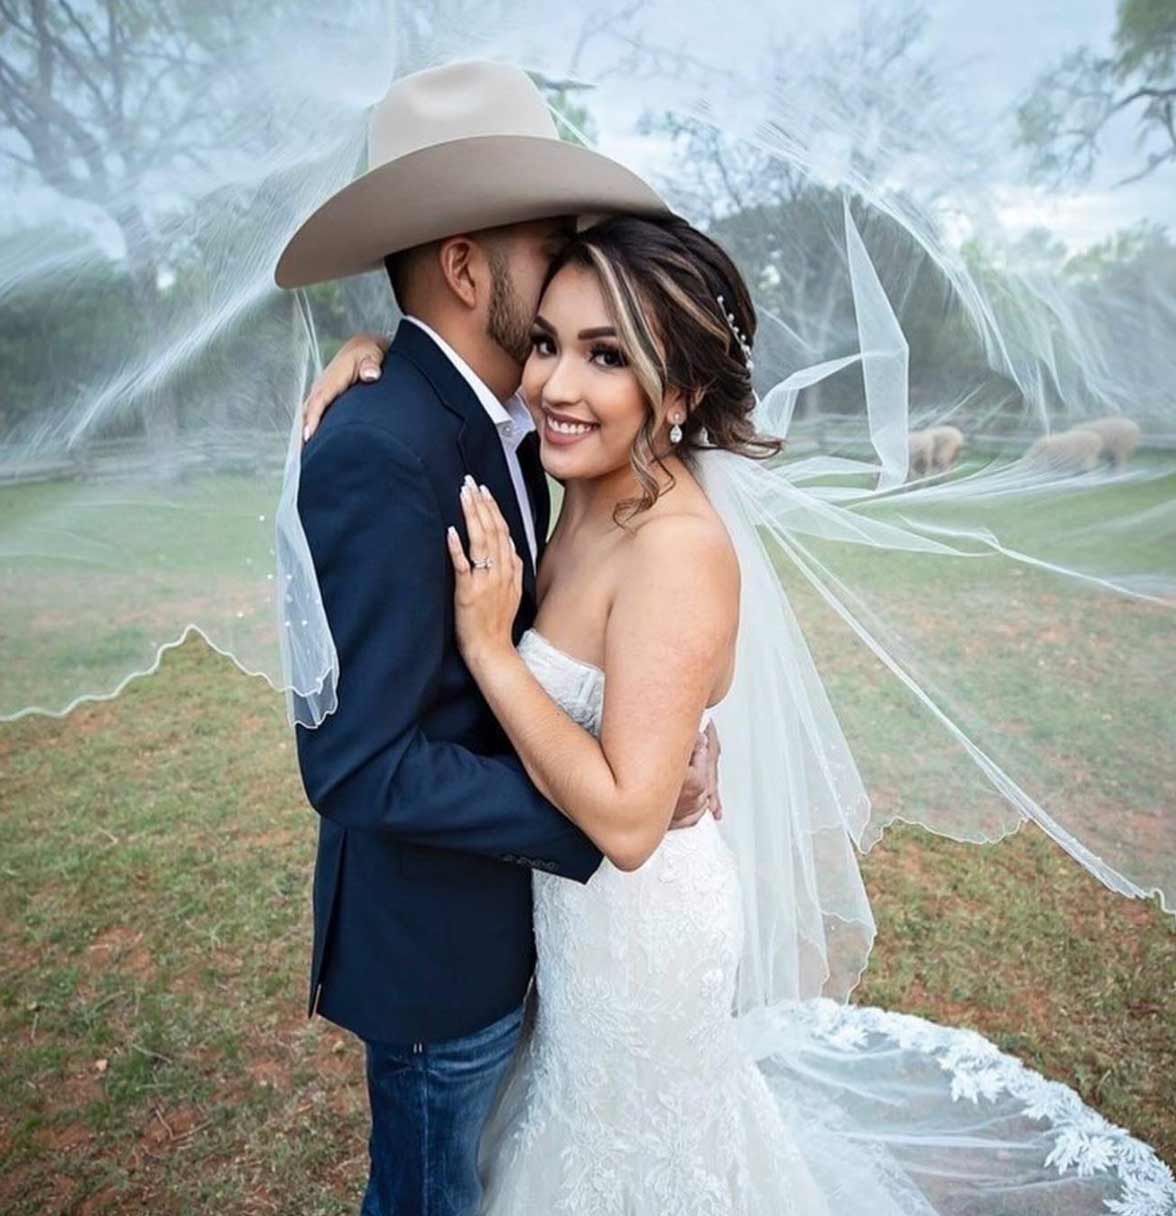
(635,1091)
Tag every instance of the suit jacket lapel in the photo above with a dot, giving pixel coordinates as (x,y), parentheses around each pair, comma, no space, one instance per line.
(481,448)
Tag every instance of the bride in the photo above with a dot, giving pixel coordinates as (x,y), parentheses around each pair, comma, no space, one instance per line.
(680,1056)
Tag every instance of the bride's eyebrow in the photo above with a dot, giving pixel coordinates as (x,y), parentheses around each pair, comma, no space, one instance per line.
(585,335)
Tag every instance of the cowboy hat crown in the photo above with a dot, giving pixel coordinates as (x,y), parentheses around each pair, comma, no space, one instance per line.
(456,149)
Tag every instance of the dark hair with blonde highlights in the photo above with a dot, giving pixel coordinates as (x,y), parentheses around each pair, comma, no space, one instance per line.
(662,279)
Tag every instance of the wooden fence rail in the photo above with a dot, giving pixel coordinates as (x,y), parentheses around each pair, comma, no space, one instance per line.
(260,453)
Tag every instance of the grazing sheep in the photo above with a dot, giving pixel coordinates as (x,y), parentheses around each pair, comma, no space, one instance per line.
(1067,449)
(1119,436)
(946,442)
(921,448)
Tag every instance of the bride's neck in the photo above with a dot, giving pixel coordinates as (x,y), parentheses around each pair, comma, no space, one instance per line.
(591,502)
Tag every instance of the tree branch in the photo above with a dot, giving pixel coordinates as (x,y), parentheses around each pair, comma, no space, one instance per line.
(20,160)
(44,114)
(65,52)
(80,26)
(9,15)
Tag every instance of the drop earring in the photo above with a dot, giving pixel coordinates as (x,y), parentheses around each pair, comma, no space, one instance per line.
(675,433)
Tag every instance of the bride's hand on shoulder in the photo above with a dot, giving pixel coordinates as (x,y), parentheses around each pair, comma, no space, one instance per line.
(489,581)
(359,358)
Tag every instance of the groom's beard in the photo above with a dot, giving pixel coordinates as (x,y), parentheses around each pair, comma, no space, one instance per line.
(509,324)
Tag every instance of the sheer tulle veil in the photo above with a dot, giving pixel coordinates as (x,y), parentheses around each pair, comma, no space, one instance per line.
(958,595)
(797,806)
(985,588)
(800,807)
(958,579)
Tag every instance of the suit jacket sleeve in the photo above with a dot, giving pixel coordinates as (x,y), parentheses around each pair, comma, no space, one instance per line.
(377,538)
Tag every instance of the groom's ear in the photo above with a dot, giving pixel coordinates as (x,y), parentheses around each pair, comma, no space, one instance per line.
(459,258)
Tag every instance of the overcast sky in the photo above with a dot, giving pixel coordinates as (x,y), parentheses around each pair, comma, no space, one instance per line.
(1013,42)
(1000,46)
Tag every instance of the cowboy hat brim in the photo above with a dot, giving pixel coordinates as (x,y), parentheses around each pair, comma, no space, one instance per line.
(458,186)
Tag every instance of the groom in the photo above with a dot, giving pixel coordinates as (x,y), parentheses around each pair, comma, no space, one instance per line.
(429,827)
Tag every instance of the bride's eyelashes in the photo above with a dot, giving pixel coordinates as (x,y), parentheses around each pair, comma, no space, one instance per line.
(612,352)
(539,340)
(543,344)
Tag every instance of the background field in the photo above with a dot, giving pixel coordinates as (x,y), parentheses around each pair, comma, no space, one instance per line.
(155,865)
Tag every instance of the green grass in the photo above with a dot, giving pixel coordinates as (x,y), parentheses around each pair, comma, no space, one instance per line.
(154,558)
(158,557)
(157,857)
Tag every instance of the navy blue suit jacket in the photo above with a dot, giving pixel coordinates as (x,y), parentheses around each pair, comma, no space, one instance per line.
(428,823)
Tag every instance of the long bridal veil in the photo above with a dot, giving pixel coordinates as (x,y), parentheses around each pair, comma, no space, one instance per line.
(892,1112)
(965,277)
(813,523)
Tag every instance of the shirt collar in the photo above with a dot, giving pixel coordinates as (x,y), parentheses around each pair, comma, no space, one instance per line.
(520,420)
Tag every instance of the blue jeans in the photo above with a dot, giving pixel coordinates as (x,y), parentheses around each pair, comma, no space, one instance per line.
(429,1102)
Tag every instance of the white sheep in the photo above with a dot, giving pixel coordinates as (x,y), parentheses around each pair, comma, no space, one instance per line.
(921,448)
(1067,449)
(946,444)
(1119,436)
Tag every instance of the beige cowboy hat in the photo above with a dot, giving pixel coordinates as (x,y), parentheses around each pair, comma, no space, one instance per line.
(455,149)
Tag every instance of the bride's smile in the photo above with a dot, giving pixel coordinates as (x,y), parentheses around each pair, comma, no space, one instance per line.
(586,399)
(562,431)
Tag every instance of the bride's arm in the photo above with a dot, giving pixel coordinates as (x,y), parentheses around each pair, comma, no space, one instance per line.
(669,634)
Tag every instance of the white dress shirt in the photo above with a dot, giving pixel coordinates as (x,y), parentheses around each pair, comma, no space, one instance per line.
(512,420)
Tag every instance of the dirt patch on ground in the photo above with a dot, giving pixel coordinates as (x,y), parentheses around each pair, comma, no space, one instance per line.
(121,948)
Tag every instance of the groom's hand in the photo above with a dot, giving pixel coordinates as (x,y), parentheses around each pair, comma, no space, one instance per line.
(700,792)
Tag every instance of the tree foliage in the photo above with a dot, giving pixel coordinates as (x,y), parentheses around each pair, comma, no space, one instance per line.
(1072,104)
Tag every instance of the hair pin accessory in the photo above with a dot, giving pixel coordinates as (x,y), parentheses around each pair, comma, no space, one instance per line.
(744,345)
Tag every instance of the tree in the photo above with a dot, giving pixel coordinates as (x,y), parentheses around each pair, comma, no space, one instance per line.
(97,320)
(98,98)
(1072,104)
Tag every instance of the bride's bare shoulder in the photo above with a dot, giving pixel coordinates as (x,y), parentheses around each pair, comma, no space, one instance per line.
(687,532)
